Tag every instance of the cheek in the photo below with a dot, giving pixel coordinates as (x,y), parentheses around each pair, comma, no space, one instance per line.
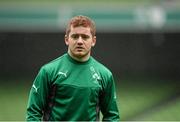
(88,45)
(71,44)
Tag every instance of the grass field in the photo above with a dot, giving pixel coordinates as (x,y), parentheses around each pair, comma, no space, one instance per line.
(148,100)
(144,100)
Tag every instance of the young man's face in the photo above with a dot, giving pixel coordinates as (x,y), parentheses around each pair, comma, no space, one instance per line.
(79,42)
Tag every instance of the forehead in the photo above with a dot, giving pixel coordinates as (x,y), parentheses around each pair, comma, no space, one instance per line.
(80,30)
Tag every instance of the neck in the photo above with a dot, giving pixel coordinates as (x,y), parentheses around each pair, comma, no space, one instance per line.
(80,59)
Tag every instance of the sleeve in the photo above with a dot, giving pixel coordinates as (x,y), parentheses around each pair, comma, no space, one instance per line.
(38,97)
(108,103)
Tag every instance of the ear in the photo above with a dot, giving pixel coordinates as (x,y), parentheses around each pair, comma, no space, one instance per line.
(66,40)
(93,41)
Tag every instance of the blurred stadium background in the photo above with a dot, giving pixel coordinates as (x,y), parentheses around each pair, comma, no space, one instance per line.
(139,40)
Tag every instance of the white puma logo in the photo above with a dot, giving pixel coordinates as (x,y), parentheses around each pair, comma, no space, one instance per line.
(62,73)
(35,87)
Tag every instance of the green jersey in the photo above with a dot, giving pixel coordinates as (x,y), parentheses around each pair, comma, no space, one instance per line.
(68,90)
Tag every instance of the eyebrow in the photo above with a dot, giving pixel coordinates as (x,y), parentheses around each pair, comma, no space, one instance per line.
(80,35)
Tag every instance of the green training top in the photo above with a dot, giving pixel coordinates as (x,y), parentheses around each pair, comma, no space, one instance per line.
(68,90)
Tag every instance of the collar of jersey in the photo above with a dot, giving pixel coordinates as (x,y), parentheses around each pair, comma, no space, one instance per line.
(78,62)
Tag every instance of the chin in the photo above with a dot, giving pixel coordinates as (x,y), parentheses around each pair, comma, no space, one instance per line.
(80,54)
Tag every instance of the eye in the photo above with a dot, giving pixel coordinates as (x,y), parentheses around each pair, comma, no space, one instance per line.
(75,36)
(85,37)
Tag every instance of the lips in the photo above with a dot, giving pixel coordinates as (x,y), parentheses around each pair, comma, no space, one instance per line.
(80,48)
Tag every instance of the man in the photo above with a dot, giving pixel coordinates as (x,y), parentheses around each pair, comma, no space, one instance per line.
(74,87)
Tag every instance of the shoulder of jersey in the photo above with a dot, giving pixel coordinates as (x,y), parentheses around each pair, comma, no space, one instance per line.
(101,67)
(52,64)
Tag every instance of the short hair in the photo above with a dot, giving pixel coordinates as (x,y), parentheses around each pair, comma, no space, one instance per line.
(83,21)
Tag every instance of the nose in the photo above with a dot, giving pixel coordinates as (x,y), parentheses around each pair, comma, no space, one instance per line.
(80,40)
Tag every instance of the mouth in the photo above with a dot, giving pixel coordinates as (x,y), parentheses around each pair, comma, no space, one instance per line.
(79,48)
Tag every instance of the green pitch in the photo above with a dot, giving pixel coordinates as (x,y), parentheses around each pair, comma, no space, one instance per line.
(136,100)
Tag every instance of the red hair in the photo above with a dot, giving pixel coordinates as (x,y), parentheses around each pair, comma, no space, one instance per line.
(83,21)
